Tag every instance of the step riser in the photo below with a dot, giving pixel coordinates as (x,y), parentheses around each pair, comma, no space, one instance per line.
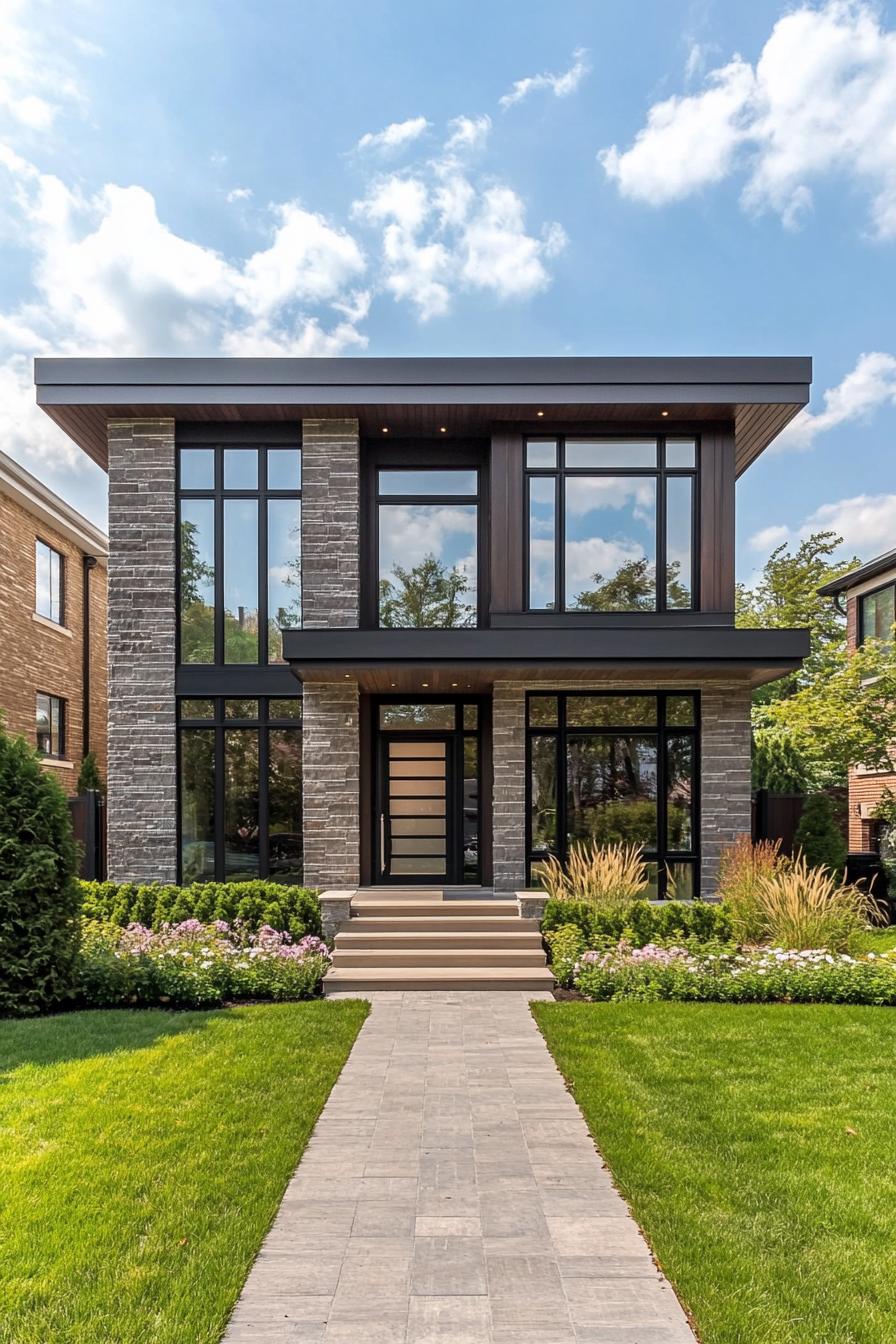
(437,924)
(437,942)
(463,957)
(362,986)
(444,909)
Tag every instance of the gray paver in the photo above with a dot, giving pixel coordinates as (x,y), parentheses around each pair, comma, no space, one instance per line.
(451,1194)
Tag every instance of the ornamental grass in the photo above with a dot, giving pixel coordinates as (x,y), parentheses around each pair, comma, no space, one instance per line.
(742,868)
(803,907)
(610,876)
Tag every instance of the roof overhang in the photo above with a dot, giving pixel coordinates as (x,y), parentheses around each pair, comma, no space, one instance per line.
(445,660)
(41,502)
(418,396)
(878,568)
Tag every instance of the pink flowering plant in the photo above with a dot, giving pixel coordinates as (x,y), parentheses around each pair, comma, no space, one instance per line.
(724,975)
(195,965)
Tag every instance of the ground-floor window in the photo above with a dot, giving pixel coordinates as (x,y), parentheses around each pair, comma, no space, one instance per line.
(240,795)
(605,767)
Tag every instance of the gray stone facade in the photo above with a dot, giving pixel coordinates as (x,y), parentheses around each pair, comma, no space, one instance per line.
(142,771)
(331,502)
(724,776)
(330,787)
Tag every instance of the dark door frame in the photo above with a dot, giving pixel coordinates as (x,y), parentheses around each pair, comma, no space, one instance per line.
(453,873)
(372,782)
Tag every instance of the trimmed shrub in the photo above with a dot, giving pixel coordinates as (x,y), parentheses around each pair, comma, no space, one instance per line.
(566,944)
(640,923)
(39,896)
(818,837)
(288,909)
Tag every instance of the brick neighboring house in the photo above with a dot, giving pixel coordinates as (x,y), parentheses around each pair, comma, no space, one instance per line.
(870,593)
(424,621)
(53,657)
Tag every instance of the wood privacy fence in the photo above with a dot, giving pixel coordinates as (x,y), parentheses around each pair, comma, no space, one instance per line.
(776,816)
(88,812)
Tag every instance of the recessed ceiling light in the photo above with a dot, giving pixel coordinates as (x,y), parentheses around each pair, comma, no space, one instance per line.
(664,412)
(424,684)
(385,429)
(454,683)
(442,429)
(539,413)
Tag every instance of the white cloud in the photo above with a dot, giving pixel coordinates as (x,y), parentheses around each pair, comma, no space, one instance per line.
(820,100)
(394,136)
(561,86)
(870,385)
(444,230)
(36,80)
(239,194)
(867,524)
(468,133)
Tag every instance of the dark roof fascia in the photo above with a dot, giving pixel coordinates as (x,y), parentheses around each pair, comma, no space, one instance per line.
(485,381)
(515,647)
(879,565)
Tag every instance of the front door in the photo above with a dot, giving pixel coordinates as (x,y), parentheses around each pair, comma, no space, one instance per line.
(427,814)
(416,821)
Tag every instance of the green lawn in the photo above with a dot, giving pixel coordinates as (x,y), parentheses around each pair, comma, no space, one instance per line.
(874,940)
(755,1144)
(142,1157)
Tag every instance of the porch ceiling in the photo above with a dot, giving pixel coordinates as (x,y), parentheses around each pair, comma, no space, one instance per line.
(426,661)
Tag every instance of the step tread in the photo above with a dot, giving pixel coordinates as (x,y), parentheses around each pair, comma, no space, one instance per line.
(438,973)
(449,937)
(422,956)
(434,923)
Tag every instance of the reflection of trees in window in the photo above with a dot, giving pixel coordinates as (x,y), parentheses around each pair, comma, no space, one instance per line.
(241,803)
(284,803)
(197,612)
(611,789)
(427,596)
(633,588)
(197,802)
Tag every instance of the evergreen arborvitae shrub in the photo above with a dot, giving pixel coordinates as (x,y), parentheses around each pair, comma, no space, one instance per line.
(818,836)
(89,776)
(40,898)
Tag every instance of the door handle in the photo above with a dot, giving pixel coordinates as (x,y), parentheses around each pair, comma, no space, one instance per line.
(382,842)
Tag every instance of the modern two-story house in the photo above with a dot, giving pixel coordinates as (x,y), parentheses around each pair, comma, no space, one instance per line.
(425,621)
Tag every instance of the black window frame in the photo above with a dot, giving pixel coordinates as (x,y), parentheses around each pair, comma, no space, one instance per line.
(422,455)
(39,541)
(220,444)
(264,721)
(861,633)
(59,753)
(663,730)
(661,473)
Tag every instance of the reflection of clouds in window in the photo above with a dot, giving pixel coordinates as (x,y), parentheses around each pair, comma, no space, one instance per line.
(585,493)
(610,534)
(408,532)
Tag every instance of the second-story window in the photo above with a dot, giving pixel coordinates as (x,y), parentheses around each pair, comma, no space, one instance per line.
(428,524)
(49,568)
(611,524)
(877,614)
(239,571)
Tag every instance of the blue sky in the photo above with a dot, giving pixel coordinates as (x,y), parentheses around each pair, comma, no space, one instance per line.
(196,178)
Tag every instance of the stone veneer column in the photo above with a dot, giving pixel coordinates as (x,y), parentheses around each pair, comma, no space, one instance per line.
(725,784)
(142,769)
(509,791)
(330,784)
(331,498)
(331,505)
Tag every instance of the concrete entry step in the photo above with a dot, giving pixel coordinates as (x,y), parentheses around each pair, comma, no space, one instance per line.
(428,956)
(436,924)
(362,980)
(386,906)
(509,939)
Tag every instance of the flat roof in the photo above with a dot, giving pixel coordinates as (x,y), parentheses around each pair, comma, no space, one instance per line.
(468,395)
(870,570)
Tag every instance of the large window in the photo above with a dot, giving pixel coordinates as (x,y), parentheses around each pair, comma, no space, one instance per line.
(428,550)
(240,552)
(50,718)
(877,614)
(49,586)
(240,789)
(606,768)
(611,524)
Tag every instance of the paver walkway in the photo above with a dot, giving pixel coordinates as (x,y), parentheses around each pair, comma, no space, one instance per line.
(451,1194)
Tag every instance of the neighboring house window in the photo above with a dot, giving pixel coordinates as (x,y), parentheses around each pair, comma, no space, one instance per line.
(877,614)
(240,789)
(611,524)
(428,547)
(606,768)
(239,569)
(49,576)
(50,725)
